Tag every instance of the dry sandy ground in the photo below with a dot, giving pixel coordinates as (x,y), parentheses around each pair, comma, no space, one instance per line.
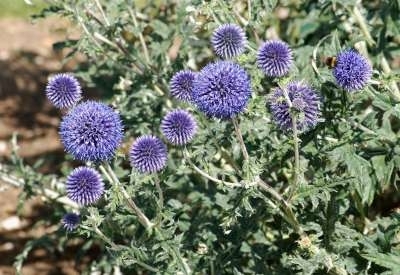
(26,60)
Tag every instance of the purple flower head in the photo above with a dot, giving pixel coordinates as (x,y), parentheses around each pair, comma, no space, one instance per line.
(352,70)
(222,89)
(91,131)
(181,85)
(84,185)
(228,40)
(305,105)
(63,90)
(148,154)
(178,127)
(70,221)
(274,57)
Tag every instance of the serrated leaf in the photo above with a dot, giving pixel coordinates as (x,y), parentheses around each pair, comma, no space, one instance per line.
(383,170)
(390,261)
(360,169)
(382,102)
(223,201)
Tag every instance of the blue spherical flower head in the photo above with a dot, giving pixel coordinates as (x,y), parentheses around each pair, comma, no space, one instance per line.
(84,185)
(178,127)
(63,90)
(352,70)
(274,57)
(91,131)
(181,85)
(305,106)
(148,154)
(228,40)
(222,89)
(70,221)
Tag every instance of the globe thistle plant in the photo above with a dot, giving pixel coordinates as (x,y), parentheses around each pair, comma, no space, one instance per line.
(352,70)
(181,85)
(148,154)
(178,127)
(91,131)
(63,90)
(305,106)
(70,221)
(222,89)
(274,57)
(228,40)
(84,185)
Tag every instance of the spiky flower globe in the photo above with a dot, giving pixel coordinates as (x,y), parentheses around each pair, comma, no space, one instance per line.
(178,127)
(91,131)
(148,154)
(63,90)
(70,221)
(352,70)
(305,106)
(181,85)
(228,40)
(84,185)
(222,89)
(274,57)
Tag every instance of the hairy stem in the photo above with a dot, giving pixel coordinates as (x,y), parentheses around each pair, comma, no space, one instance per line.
(109,173)
(359,18)
(105,238)
(296,152)
(296,172)
(160,193)
(393,85)
(102,12)
(363,25)
(99,46)
(45,192)
(240,138)
(249,9)
(177,255)
(141,38)
(205,174)
(115,247)
(288,213)
(85,29)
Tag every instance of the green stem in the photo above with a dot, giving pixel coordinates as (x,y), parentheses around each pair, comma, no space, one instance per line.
(206,175)
(85,29)
(141,38)
(296,148)
(102,12)
(115,247)
(99,46)
(176,253)
(359,18)
(296,152)
(288,213)
(363,25)
(393,85)
(240,138)
(109,173)
(248,176)
(160,193)
(105,238)
(249,9)
(47,193)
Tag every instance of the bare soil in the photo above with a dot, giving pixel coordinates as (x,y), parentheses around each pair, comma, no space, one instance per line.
(26,61)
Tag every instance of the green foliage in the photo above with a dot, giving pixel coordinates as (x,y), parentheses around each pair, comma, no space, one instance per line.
(326,222)
(20,8)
